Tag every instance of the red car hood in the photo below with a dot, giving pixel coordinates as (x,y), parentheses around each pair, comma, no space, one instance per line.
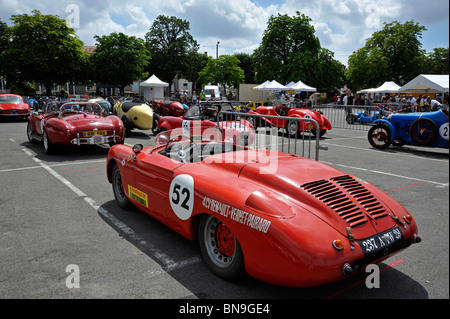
(306,185)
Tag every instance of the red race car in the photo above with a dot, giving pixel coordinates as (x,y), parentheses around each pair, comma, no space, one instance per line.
(251,211)
(293,128)
(74,123)
(202,119)
(12,105)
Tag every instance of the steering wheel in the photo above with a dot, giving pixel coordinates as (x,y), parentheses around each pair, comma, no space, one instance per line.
(181,149)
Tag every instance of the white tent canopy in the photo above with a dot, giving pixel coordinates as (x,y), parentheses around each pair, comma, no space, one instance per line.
(153,88)
(302,87)
(271,86)
(262,85)
(387,87)
(154,81)
(427,83)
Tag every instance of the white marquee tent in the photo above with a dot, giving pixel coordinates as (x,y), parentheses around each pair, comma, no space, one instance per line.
(153,88)
(427,83)
(271,86)
(387,87)
(302,87)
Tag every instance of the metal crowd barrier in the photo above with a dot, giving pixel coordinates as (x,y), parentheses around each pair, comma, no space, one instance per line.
(267,136)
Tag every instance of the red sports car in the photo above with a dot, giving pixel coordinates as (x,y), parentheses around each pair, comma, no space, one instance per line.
(12,105)
(294,127)
(74,123)
(283,219)
(201,120)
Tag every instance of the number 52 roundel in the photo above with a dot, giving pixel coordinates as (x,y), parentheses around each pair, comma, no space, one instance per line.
(182,196)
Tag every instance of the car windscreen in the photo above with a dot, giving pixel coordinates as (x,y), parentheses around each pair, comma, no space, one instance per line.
(9,99)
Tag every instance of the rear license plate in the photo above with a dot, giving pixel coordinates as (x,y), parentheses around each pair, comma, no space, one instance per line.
(92,133)
(380,241)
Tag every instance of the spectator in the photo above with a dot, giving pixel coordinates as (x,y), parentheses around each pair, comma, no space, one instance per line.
(368,103)
(194,98)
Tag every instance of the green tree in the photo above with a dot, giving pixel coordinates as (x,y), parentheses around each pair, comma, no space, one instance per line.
(119,59)
(225,70)
(170,45)
(246,64)
(289,50)
(196,61)
(367,69)
(392,54)
(43,49)
(5,39)
(437,62)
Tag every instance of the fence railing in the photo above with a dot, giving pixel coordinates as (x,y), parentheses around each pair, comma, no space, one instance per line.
(299,136)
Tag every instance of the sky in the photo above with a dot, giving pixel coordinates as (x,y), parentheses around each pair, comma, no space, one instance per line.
(342,26)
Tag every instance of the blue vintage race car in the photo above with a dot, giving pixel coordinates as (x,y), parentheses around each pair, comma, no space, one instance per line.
(429,129)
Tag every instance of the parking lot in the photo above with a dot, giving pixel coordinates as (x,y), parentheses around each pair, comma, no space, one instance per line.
(59,211)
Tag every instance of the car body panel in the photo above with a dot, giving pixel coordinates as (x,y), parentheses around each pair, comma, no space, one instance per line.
(285,223)
(168,108)
(140,114)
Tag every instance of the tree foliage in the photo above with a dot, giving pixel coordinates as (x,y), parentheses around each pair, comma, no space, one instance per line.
(170,45)
(392,54)
(119,59)
(290,51)
(225,70)
(437,62)
(43,49)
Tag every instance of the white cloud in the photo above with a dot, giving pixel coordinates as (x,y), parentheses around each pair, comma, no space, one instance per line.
(341,25)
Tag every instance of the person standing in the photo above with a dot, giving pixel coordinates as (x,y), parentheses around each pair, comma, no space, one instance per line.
(368,103)
(194,98)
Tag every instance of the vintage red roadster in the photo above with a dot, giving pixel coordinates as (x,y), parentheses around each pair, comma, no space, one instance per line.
(202,119)
(74,123)
(281,218)
(293,127)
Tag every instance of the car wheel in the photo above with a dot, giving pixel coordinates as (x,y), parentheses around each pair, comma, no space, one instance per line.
(351,119)
(30,133)
(424,132)
(118,190)
(49,148)
(293,128)
(155,124)
(322,132)
(380,136)
(220,248)
(127,124)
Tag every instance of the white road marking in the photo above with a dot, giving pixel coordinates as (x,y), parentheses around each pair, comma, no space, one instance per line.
(168,264)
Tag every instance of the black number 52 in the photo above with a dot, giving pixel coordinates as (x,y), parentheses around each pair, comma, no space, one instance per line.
(176,196)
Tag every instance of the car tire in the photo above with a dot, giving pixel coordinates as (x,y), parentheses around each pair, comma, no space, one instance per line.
(118,190)
(424,132)
(293,128)
(351,119)
(30,133)
(156,118)
(49,147)
(380,136)
(220,248)
(127,124)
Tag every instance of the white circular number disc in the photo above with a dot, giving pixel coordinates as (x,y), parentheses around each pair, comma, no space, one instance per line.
(181,196)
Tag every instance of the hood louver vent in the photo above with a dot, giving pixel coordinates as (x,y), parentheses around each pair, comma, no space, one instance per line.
(348,198)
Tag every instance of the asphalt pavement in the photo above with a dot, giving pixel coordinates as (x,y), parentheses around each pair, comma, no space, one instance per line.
(63,236)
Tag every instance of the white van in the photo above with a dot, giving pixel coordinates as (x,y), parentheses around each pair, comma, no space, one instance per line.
(208,89)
